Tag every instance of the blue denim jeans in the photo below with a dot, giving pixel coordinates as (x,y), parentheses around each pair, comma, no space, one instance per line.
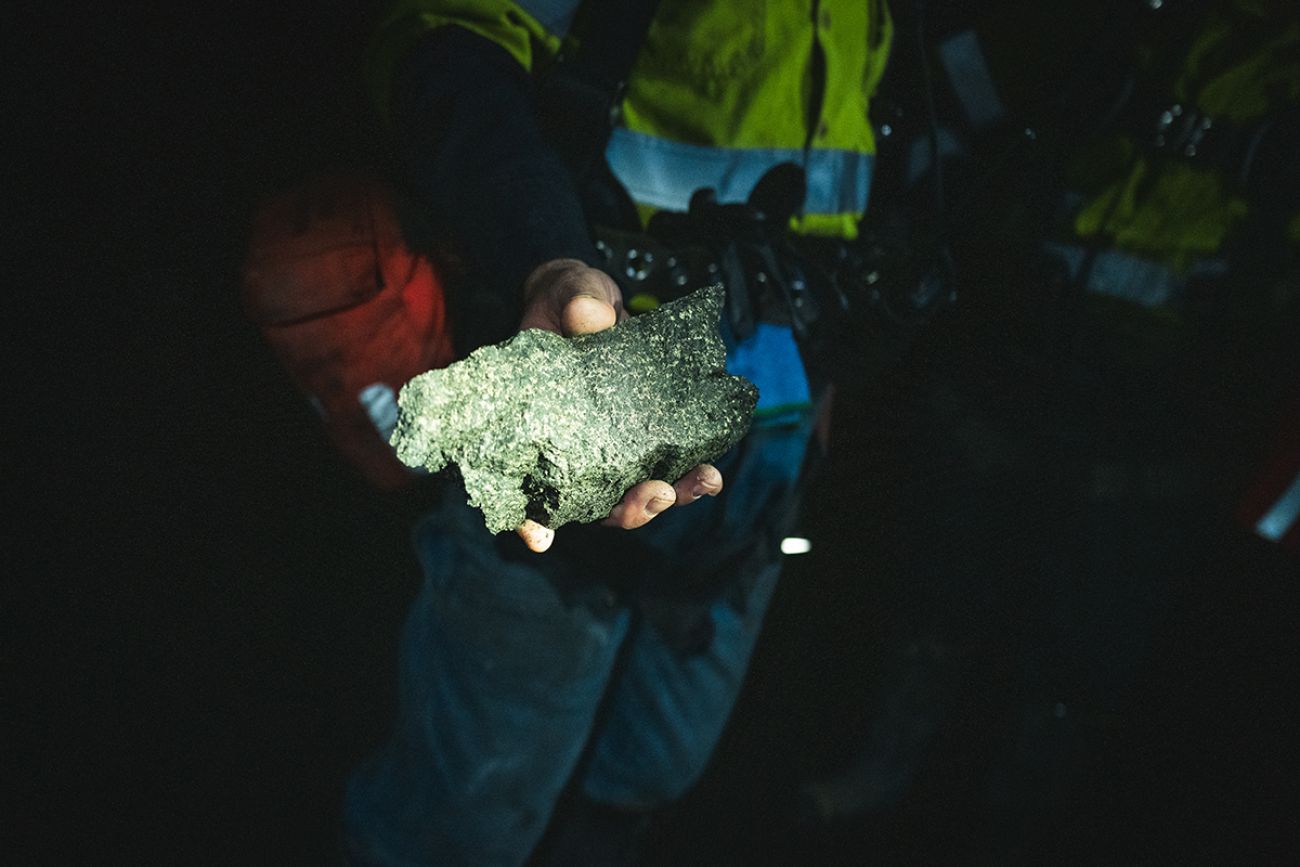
(511,688)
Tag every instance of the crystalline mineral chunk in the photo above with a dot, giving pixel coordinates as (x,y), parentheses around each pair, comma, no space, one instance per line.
(557,429)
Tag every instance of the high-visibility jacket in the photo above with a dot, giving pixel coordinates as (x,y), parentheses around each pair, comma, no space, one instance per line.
(1242,66)
(720,92)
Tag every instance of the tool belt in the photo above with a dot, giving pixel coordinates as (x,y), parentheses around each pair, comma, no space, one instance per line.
(831,294)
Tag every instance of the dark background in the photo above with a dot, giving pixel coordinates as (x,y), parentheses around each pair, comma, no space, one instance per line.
(201,611)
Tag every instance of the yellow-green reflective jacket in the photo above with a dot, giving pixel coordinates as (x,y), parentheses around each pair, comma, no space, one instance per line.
(1243,64)
(720,92)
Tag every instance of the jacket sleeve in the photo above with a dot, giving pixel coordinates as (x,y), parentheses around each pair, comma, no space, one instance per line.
(462,112)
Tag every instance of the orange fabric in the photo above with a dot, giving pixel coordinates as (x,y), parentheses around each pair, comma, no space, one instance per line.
(345,305)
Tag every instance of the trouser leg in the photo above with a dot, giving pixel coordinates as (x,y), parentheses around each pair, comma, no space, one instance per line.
(668,708)
(500,680)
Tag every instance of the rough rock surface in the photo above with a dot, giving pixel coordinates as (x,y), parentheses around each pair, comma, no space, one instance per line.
(557,429)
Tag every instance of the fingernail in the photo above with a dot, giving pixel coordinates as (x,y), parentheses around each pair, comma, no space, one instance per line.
(540,538)
(703,486)
(657,505)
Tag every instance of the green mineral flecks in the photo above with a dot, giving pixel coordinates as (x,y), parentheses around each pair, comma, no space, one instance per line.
(557,429)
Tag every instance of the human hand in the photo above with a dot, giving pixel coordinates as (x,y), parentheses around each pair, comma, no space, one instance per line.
(568,297)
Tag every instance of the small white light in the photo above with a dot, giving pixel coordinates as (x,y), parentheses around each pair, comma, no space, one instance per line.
(795,545)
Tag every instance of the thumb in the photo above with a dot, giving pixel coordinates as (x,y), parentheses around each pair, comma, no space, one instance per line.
(569,297)
(586,314)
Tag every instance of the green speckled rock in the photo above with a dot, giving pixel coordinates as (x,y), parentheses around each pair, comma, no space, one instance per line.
(558,429)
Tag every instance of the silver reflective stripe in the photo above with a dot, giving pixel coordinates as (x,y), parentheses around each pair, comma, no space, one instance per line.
(1118,274)
(1133,278)
(664,173)
(380,403)
(554,15)
(1277,521)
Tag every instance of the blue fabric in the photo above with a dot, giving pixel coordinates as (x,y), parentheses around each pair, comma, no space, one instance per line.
(554,15)
(503,674)
(667,711)
(500,685)
(770,359)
